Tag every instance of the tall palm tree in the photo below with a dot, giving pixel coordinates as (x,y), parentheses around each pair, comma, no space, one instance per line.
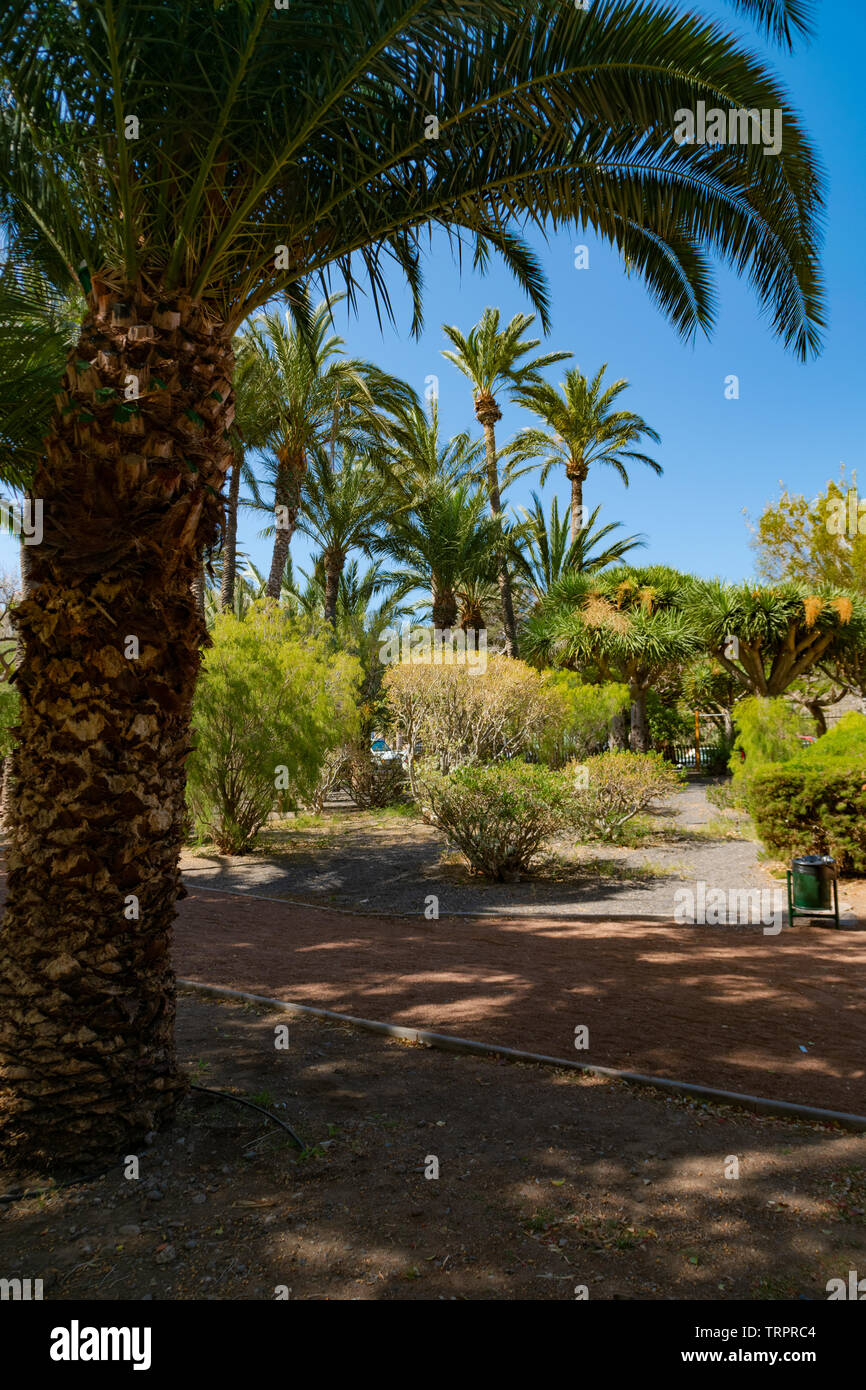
(583,430)
(493,359)
(314,397)
(189,161)
(548,552)
(340,510)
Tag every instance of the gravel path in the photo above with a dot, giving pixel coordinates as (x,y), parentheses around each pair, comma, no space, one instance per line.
(389,864)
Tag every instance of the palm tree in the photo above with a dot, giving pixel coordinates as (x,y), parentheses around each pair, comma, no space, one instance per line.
(583,430)
(443,541)
(416,455)
(341,508)
(548,552)
(492,359)
(313,397)
(189,161)
(249,431)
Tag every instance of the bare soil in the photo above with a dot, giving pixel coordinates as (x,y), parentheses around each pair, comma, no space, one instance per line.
(548,1181)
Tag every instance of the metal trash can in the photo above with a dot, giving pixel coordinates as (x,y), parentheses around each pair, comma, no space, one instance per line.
(812,887)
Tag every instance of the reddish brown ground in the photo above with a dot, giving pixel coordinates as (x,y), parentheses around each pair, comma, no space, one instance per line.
(729,1008)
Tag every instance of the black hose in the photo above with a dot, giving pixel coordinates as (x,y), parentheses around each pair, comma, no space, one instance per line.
(239,1100)
(6,1198)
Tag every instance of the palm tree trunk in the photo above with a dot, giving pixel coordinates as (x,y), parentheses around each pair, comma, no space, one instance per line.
(111,654)
(282,541)
(444,609)
(333,571)
(198,588)
(576,505)
(504,577)
(230,545)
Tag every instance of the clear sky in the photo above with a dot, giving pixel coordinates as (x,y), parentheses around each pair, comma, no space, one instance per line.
(795,422)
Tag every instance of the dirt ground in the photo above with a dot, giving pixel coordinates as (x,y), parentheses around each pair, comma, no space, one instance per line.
(548,1182)
(779,1016)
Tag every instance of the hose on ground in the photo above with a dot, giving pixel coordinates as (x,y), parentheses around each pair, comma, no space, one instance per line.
(7,1198)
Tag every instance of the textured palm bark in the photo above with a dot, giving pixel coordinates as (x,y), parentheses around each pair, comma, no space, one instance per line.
(334,562)
(290,481)
(576,477)
(198,588)
(488,415)
(130,488)
(230,540)
(444,607)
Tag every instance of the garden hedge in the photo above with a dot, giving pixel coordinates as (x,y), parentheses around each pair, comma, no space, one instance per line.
(813,806)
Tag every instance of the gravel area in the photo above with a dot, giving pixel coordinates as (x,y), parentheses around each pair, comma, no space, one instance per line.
(389,864)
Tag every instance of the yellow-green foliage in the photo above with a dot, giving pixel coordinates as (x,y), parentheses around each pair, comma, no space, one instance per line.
(768,731)
(815,801)
(9,705)
(498,816)
(585,713)
(611,789)
(271,701)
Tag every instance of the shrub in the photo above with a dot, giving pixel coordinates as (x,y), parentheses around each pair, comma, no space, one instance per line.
(271,702)
(811,806)
(609,790)
(723,796)
(464,715)
(847,739)
(768,731)
(372,783)
(579,721)
(332,774)
(498,816)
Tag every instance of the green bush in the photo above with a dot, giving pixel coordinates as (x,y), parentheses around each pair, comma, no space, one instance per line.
(811,806)
(768,731)
(847,739)
(609,790)
(499,816)
(270,703)
(579,722)
(373,784)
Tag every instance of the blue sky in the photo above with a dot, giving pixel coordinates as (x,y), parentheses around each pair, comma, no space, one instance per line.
(795,422)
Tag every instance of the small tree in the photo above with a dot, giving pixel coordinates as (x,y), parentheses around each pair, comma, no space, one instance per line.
(271,702)
(625,624)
